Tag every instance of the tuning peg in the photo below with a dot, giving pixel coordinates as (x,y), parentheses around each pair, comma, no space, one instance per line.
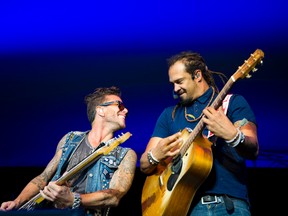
(248,76)
(254,69)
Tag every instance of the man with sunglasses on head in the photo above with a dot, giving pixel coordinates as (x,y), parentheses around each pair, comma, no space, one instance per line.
(102,184)
(208,176)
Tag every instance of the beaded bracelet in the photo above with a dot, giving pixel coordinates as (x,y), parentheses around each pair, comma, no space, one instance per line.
(77,201)
(152,160)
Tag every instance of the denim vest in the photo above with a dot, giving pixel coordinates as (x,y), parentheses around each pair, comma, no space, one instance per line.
(100,172)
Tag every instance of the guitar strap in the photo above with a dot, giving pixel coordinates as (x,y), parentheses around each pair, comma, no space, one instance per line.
(225,104)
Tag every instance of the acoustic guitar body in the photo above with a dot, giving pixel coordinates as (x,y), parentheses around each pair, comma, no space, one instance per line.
(170,191)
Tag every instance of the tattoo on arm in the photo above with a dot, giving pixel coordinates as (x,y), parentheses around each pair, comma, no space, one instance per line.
(38,181)
(129,163)
(126,173)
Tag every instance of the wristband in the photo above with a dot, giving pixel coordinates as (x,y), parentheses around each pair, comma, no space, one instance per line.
(152,160)
(235,138)
(77,201)
(239,138)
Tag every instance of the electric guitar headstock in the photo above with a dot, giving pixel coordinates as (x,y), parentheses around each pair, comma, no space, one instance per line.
(117,141)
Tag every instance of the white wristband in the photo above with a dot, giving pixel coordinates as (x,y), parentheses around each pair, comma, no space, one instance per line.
(239,138)
(152,160)
(234,138)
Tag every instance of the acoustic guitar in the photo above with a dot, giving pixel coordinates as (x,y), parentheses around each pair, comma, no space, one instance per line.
(36,201)
(171,189)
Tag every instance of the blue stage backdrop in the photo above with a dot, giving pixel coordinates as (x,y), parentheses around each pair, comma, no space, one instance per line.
(53,53)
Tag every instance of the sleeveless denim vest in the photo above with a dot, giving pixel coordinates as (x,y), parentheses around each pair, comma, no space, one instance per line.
(100,172)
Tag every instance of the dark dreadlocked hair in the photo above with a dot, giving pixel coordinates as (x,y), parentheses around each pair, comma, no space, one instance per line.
(98,97)
(194,61)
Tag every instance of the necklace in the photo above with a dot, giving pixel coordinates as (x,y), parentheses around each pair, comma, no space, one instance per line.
(187,116)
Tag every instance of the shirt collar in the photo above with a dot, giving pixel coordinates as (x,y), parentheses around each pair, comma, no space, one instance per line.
(203,99)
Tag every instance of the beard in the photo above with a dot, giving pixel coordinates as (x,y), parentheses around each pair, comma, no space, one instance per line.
(186,102)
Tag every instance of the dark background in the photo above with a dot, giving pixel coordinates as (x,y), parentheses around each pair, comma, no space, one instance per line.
(53,53)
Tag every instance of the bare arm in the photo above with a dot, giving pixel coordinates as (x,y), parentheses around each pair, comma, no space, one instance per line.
(161,148)
(250,147)
(37,183)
